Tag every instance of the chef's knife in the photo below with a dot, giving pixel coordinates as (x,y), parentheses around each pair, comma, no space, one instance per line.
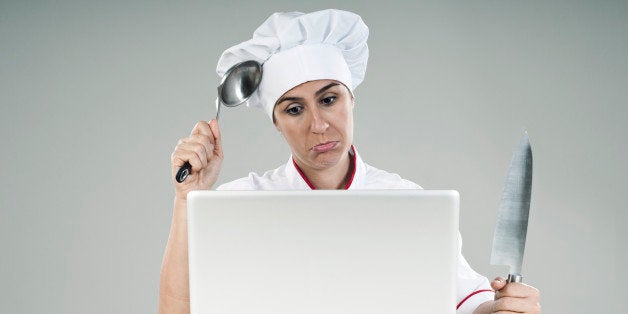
(512,218)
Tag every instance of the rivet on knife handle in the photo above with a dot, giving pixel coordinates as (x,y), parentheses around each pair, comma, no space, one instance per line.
(515,278)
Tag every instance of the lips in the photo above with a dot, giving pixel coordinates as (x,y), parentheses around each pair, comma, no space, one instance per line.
(325,147)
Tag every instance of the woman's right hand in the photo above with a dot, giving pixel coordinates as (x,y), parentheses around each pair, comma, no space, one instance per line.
(203,150)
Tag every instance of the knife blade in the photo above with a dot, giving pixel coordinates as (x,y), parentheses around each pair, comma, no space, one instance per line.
(512,217)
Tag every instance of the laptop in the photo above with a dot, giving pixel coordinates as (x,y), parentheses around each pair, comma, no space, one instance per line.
(323,252)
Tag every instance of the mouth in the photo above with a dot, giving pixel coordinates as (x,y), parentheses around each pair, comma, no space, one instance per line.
(325,147)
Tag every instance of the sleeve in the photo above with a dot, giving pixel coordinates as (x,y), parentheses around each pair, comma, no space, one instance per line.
(472,289)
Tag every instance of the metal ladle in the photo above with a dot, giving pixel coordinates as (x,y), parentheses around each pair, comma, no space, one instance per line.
(236,87)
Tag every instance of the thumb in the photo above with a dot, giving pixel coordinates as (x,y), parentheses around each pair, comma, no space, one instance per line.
(213,125)
(498,283)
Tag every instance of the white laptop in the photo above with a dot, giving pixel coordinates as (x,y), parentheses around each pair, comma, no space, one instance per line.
(322,252)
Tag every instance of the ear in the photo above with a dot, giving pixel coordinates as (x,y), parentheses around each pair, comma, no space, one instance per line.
(350,94)
(275,119)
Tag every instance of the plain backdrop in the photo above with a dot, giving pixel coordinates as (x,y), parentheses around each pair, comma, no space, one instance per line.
(95,94)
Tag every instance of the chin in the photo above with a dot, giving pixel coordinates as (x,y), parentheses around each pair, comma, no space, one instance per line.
(330,158)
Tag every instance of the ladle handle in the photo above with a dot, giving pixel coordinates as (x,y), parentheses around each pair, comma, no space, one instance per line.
(219,101)
(183,172)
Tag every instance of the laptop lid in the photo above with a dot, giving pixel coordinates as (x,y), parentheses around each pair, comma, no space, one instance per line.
(289,252)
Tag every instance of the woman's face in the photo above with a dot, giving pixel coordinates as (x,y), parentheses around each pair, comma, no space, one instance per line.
(316,119)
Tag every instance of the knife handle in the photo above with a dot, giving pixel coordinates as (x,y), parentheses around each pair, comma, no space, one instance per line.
(515,278)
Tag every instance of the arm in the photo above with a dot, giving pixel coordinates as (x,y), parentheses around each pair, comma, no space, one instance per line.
(511,298)
(203,150)
(174,293)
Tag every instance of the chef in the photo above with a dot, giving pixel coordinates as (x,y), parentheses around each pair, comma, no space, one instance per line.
(312,63)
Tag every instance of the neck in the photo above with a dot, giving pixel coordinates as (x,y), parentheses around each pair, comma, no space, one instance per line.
(332,178)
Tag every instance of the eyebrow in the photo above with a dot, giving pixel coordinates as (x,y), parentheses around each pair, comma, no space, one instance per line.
(288,99)
(318,92)
(326,87)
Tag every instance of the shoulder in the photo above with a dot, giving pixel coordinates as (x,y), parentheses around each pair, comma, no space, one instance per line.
(378,178)
(271,180)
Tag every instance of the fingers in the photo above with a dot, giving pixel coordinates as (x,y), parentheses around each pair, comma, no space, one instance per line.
(215,129)
(498,283)
(517,305)
(211,130)
(194,153)
(199,148)
(201,127)
(517,290)
(179,158)
(204,141)
(196,149)
(515,297)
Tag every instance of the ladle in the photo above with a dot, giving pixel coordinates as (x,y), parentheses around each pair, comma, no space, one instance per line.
(236,87)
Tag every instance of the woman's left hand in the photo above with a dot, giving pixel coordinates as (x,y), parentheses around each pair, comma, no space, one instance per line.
(515,297)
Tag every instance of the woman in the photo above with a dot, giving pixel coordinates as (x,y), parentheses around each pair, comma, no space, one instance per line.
(312,63)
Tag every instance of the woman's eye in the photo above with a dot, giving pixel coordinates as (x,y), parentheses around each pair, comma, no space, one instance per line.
(328,100)
(294,110)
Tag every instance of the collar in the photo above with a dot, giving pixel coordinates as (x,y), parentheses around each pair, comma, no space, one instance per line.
(299,181)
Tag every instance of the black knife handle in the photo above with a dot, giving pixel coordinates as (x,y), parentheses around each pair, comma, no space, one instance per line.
(183,172)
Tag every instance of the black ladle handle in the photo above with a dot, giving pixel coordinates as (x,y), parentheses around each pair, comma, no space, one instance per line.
(183,172)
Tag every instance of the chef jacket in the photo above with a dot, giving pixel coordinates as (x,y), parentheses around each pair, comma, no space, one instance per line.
(472,289)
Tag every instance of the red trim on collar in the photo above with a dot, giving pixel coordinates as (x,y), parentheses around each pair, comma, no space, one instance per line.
(303,175)
(470,295)
(309,183)
(355,166)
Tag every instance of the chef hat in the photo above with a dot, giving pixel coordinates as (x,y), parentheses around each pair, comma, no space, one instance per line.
(295,48)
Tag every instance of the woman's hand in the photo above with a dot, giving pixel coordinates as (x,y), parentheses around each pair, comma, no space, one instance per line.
(514,297)
(203,150)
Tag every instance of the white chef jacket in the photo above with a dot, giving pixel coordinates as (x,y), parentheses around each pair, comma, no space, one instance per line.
(472,289)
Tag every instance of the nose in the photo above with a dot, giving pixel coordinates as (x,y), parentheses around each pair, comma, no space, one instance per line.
(318,122)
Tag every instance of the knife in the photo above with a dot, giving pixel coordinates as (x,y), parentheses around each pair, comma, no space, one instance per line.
(512,217)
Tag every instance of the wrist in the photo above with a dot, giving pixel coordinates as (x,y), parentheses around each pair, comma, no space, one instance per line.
(180,203)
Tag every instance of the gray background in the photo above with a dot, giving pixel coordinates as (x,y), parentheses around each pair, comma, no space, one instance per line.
(94,96)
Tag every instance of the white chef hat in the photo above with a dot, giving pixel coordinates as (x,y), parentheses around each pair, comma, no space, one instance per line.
(295,48)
